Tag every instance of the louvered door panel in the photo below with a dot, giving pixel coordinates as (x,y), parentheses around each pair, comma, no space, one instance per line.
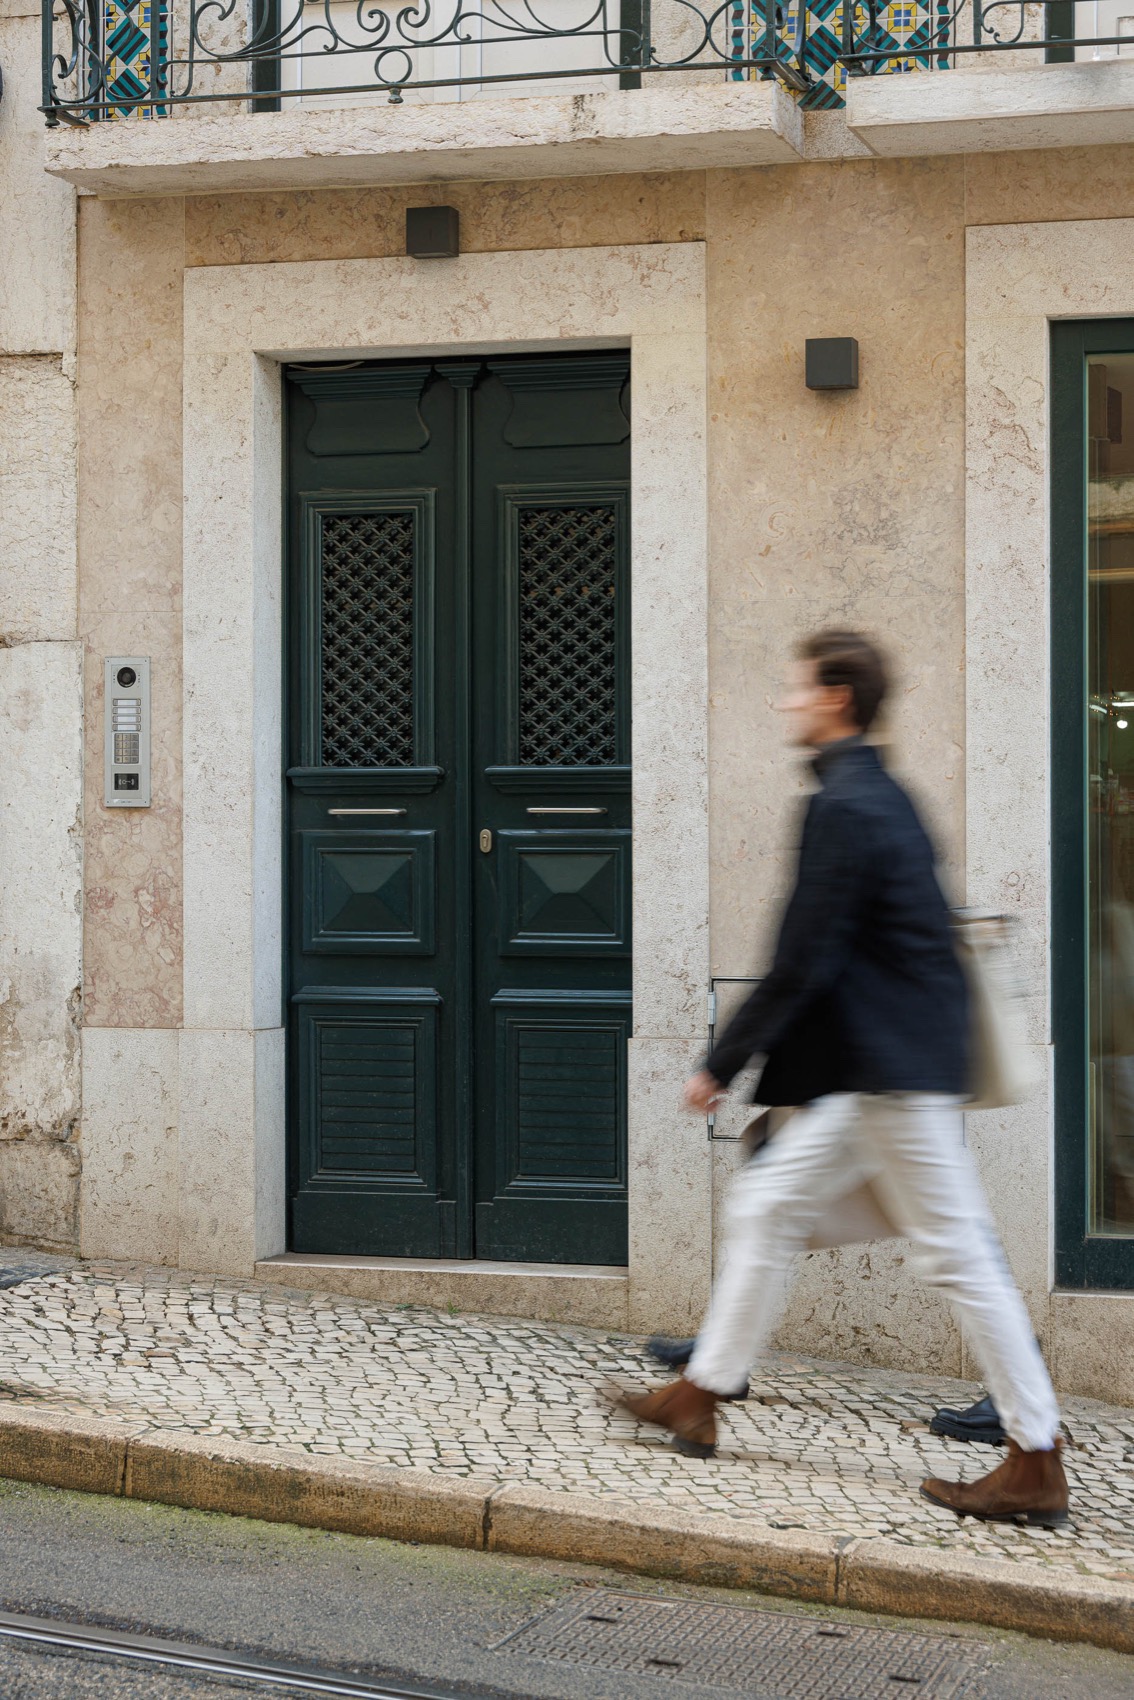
(367,1073)
(367,1111)
(560,1093)
(568,1101)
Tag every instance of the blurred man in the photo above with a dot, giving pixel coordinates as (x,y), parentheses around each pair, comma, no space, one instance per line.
(863,1021)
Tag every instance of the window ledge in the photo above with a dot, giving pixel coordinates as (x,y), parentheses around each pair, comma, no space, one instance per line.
(652,129)
(1048,106)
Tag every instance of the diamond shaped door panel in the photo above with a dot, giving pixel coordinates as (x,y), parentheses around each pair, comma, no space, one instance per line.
(369,893)
(565,892)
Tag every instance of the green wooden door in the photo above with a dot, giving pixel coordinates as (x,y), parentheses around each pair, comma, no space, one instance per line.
(458,808)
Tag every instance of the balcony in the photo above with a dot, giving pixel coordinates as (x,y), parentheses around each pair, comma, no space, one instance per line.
(299,93)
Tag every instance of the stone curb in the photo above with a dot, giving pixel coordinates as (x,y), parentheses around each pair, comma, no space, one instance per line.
(246,1479)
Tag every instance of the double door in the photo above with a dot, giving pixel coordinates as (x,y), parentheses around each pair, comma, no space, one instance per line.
(458,807)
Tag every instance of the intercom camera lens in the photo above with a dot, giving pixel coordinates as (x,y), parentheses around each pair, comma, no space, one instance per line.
(127,677)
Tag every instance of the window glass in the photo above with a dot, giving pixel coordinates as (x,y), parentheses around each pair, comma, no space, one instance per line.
(1110,606)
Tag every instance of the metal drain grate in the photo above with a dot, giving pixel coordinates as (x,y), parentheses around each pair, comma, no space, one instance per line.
(792,1658)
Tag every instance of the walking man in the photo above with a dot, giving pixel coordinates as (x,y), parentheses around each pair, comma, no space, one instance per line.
(863,1021)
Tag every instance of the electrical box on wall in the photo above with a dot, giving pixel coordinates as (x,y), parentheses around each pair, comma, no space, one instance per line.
(126,731)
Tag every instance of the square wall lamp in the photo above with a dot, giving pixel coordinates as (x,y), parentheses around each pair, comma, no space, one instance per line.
(831,363)
(433,233)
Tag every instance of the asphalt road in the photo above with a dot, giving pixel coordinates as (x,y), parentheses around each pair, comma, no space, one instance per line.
(412,1616)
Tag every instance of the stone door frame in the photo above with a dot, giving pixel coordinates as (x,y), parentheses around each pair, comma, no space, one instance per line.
(1019,277)
(240,324)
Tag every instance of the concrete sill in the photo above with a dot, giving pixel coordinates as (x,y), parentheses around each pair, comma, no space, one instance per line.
(658,128)
(593,1295)
(1050,106)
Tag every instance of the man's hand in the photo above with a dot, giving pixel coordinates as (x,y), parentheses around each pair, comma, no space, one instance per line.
(703,1093)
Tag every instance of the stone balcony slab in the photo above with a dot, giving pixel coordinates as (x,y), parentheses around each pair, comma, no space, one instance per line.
(1048,106)
(659,128)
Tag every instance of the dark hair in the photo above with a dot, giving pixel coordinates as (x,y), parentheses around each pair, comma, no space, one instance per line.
(848,658)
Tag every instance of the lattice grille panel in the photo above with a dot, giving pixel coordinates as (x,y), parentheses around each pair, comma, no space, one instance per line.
(568,570)
(367,646)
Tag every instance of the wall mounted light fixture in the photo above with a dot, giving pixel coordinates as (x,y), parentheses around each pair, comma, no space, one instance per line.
(433,233)
(832,363)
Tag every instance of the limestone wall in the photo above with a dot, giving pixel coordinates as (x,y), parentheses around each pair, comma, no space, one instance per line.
(41,844)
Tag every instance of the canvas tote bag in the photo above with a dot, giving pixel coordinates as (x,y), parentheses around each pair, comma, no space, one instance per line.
(1002,1070)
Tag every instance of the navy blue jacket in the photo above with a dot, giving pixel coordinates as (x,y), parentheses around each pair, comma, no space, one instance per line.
(865,993)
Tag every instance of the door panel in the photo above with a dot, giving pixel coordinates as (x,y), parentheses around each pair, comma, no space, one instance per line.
(564,893)
(459,808)
(368,1115)
(560,1156)
(372,893)
(551,753)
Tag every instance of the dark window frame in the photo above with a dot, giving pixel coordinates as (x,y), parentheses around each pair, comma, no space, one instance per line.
(1082,1260)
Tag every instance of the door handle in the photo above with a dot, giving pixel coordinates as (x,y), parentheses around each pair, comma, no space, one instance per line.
(366,811)
(550,811)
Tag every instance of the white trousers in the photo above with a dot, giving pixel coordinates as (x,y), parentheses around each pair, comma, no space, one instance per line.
(911,1147)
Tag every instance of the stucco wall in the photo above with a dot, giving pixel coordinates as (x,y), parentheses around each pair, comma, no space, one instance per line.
(847,507)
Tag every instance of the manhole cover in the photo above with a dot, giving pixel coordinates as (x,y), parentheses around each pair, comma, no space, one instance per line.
(767,1653)
(12,1274)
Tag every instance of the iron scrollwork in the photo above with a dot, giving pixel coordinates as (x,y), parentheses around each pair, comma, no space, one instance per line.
(107,59)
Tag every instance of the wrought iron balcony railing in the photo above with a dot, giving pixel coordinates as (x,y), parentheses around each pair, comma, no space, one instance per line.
(114,59)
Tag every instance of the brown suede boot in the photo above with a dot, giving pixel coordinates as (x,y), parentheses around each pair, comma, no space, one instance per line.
(686,1410)
(1028,1486)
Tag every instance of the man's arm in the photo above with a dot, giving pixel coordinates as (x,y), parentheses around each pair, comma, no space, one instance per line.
(819,928)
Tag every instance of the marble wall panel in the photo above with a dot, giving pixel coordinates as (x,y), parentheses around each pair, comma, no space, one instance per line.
(37,212)
(133,906)
(39,1194)
(1013,1149)
(129,1195)
(129,401)
(370,223)
(232,1153)
(865,1305)
(37,499)
(41,859)
(1047,184)
(843,507)
(129,398)
(1091,1347)
(41,855)
(670,1192)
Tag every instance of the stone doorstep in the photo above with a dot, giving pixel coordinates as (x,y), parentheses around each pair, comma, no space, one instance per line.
(135,1461)
(587,1295)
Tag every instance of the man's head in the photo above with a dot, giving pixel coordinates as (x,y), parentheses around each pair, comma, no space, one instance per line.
(837,684)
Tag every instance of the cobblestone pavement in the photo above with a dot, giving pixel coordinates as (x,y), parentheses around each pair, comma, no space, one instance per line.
(819,1446)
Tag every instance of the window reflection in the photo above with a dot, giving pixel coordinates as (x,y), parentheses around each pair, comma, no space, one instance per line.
(1110,574)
